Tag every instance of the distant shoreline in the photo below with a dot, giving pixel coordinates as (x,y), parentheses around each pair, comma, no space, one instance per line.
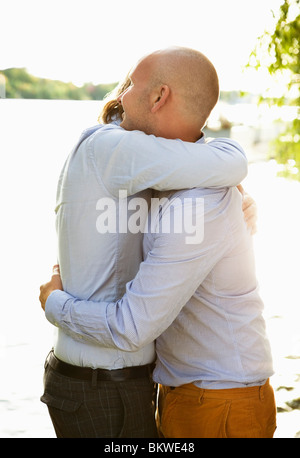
(18,83)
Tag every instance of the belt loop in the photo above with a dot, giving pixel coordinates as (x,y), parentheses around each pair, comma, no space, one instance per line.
(261,393)
(94,378)
(200,399)
(48,358)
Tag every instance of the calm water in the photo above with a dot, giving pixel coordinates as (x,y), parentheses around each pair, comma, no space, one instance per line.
(35,138)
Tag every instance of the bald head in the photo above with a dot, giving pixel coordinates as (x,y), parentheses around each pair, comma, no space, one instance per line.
(171,94)
(191,77)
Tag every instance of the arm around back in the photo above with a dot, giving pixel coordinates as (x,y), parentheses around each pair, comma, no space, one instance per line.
(134,161)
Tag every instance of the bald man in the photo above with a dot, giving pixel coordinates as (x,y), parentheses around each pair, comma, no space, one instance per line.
(180,108)
(100,391)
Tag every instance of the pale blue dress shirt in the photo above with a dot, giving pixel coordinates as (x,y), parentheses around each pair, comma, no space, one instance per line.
(96,266)
(200,301)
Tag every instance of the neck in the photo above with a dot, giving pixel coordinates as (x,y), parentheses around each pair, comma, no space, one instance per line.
(180,132)
(170,123)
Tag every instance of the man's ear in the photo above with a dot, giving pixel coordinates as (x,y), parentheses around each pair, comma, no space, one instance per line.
(160,98)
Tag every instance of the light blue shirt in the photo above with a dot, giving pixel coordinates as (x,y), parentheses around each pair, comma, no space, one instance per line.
(96,266)
(200,301)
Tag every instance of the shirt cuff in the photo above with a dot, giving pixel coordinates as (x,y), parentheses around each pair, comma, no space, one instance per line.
(54,305)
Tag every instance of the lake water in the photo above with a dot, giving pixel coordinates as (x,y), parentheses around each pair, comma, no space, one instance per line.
(35,138)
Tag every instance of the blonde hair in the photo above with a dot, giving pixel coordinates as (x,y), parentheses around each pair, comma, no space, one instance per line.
(113,110)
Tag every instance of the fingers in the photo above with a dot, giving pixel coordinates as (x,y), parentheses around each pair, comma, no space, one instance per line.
(241,189)
(249,208)
(54,284)
(251,224)
(248,200)
(55,270)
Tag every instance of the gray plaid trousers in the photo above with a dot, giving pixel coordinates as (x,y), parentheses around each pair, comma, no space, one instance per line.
(106,410)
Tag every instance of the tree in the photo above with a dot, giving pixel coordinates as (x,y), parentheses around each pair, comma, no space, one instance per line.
(18,83)
(279,51)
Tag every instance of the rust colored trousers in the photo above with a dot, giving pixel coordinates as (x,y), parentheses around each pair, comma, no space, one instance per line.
(190,412)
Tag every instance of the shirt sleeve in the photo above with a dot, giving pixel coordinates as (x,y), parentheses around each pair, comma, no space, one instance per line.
(169,276)
(133,161)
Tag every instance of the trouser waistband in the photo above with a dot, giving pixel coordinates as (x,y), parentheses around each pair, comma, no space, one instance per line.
(87,373)
(192,390)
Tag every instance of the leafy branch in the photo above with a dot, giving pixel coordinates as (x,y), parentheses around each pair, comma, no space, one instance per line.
(279,52)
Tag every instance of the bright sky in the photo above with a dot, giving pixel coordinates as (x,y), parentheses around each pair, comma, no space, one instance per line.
(99,40)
